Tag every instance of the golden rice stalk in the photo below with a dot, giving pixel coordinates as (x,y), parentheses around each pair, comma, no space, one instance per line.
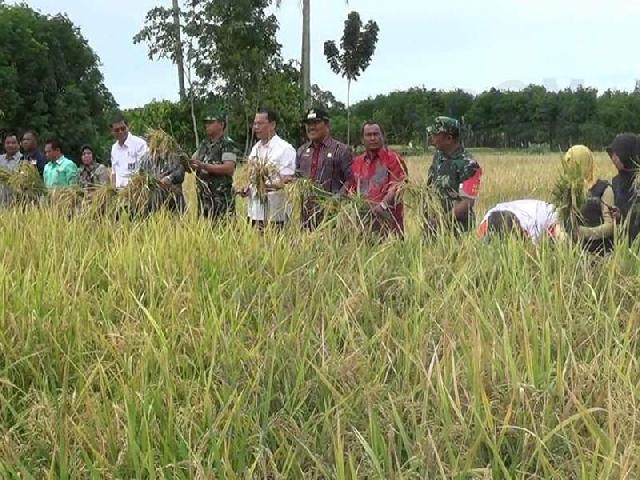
(568,196)
(100,200)
(26,182)
(162,145)
(137,194)
(5,175)
(260,173)
(67,200)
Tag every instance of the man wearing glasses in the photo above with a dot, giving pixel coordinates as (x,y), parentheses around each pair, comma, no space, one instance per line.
(126,153)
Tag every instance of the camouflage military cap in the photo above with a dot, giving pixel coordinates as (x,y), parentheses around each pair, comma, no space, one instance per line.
(447,125)
(215,116)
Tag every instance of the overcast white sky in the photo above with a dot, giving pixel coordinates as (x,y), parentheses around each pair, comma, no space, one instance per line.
(437,44)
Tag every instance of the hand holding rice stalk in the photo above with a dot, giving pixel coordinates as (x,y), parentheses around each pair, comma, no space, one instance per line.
(260,175)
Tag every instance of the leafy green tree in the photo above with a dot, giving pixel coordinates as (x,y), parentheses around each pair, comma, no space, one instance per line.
(358,45)
(50,79)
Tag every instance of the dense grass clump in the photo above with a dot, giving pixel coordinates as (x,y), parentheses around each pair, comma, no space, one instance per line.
(178,349)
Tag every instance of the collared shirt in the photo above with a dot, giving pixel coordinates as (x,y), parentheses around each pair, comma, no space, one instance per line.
(374,174)
(8,163)
(125,158)
(328,163)
(283,156)
(61,173)
(38,159)
(93,175)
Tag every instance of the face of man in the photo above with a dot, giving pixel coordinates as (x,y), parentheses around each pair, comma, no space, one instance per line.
(120,130)
(443,141)
(11,145)
(87,157)
(372,137)
(29,143)
(317,130)
(262,127)
(53,154)
(215,129)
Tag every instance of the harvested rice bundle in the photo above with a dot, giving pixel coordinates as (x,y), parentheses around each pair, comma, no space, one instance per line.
(26,183)
(260,174)
(568,195)
(162,146)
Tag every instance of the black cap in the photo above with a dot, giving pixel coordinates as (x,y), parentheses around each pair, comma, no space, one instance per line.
(316,114)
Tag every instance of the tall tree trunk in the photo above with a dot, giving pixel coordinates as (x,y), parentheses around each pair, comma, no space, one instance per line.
(193,119)
(306,52)
(349,112)
(179,56)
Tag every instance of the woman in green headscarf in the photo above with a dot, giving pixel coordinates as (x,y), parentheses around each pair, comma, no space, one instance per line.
(596,217)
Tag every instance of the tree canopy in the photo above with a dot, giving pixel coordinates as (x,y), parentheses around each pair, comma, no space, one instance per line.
(50,79)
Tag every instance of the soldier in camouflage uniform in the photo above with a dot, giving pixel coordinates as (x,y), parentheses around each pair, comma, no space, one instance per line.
(214,164)
(454,176)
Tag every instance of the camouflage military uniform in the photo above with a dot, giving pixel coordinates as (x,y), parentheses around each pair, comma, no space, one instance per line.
(454,176)
(216,197)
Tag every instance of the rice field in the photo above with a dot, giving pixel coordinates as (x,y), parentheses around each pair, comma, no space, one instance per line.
(169,349)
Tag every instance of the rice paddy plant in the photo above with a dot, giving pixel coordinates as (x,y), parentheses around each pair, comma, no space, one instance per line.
(166,349)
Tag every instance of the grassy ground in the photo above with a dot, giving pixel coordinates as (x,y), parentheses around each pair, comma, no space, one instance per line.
(171,349)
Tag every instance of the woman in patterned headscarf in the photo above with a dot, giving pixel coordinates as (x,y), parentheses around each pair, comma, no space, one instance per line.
(596,217)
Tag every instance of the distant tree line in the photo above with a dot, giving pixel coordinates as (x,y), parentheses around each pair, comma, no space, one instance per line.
(503,119)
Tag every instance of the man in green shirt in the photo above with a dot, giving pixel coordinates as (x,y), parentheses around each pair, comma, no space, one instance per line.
(59,171)
(214,164)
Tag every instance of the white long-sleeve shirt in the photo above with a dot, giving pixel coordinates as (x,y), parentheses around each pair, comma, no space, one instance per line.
(125,158)
(283,156)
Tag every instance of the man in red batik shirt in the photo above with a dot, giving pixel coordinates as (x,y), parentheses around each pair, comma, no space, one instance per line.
(377,176)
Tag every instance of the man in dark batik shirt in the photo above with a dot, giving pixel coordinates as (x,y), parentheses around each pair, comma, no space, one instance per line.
(323,160)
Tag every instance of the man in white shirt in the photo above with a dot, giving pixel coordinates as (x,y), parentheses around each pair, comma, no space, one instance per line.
(126,153)
(533,219)
(272,150)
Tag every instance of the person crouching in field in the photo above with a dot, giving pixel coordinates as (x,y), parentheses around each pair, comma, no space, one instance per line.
(272,164)
(528,219)
(91,173)
(454,177)
(596,218)
(378,175)
(624,152)
(214,165)
(323,160)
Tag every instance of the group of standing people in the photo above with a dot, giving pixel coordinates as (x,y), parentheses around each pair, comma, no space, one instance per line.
(376,176)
